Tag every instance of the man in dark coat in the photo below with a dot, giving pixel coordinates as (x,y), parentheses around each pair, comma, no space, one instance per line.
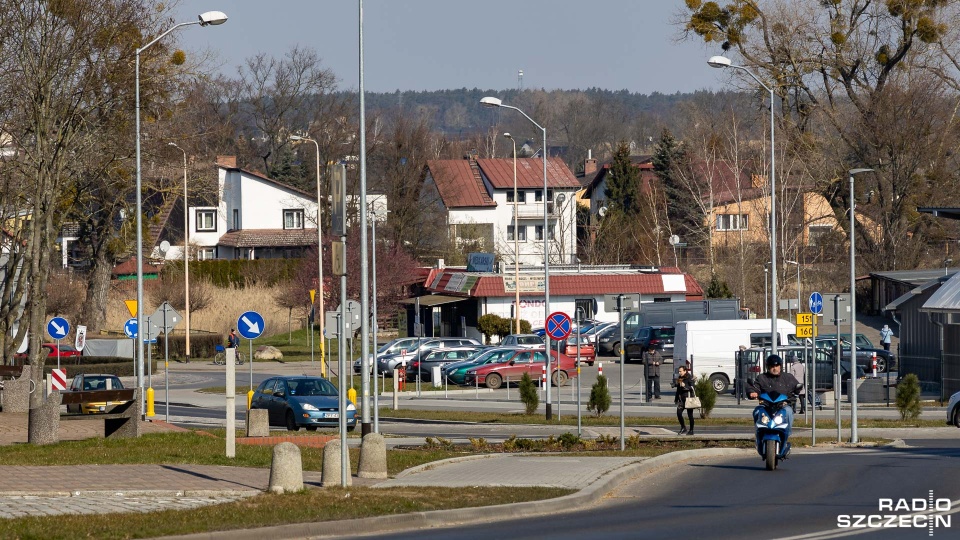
(776,380)
(651,359)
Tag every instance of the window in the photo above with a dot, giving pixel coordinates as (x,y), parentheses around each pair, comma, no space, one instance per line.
(293,219)
(538,195)
(206,220)
(236,219)
(205,254)
(522,230)
(521,196)
(732,222)
(817,234)
(762,340)
(539,232)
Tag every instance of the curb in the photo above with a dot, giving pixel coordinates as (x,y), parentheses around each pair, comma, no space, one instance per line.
(136,493)
(464,516)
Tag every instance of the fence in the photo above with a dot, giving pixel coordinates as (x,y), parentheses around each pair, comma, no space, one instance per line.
(938,376)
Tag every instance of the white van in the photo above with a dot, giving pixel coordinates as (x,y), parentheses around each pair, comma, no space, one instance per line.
(711,346)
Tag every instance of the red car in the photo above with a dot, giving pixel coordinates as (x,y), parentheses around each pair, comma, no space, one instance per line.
(588,352)
(512,368)
(66,351)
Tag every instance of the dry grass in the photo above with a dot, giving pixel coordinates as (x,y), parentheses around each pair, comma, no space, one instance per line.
(225,307)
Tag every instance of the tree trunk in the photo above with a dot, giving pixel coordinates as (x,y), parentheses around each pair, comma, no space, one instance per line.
(94,313)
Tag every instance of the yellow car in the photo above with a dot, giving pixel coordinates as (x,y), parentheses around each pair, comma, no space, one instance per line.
(86,382)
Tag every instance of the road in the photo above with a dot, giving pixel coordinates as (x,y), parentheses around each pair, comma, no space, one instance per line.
(736,498)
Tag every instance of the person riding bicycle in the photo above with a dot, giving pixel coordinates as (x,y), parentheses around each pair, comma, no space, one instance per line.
(776,380)
(232,340)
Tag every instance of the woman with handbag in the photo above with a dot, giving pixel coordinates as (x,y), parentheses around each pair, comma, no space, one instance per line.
(685,399)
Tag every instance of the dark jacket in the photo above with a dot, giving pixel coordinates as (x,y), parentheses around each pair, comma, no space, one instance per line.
(785,383)
(652,360)
(684,389)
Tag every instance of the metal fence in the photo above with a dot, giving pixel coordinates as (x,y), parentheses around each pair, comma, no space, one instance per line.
(939,375)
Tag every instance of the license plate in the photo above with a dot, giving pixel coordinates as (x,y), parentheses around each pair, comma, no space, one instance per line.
(331,415)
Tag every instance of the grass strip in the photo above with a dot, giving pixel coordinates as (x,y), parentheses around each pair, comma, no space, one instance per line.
(267,509)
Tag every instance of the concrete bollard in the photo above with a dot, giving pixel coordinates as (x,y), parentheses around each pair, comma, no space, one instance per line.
(258,423)
(331,465)
(373,457)
(16,393)
(286,469)
(47,416)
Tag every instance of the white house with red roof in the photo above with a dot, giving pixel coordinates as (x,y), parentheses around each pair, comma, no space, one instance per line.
(458,298)
(255,218)
(478,197)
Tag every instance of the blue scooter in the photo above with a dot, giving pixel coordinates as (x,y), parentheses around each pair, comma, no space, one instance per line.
(772,426)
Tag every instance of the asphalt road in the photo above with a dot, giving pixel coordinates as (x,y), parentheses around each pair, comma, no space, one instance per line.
(736,498)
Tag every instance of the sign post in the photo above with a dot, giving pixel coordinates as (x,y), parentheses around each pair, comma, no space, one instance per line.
(169,319)
(816,307)
(58,328)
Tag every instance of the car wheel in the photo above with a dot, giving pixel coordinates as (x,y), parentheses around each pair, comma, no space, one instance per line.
(494,381)
(617,350)
(311,428)
(881,364)
(351,428)
(720,383)
(559,378)
(956,416)
(291,422)
(590,363)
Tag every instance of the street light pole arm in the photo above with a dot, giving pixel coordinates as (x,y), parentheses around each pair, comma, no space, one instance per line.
(532,121)
(161,36)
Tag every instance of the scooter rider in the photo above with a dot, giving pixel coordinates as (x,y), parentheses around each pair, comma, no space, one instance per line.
(776,380)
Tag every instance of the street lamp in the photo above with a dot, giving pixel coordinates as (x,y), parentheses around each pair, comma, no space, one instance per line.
(724,62)
(186,252)
(209,18)
(853,312)
(516,237)
(321,314)
(490,101)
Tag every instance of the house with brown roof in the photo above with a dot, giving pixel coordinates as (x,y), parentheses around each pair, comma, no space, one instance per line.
(477,196)
(256,217)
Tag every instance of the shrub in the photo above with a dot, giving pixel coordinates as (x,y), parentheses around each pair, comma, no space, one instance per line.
(707,394)
(599,396)
(528,394)
(908,397)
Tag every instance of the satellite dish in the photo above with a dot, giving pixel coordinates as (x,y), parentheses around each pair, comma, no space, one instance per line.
(164,246)
(602,211)
(674,240)
(560,198)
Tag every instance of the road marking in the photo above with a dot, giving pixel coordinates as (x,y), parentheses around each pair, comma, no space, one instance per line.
(840,533)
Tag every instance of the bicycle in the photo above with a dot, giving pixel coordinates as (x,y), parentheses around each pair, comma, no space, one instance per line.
(220,358)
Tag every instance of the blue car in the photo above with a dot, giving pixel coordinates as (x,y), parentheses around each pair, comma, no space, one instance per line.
(300,401)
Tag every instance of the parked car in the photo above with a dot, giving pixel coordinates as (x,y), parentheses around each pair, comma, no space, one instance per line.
(387,363)
(66,351)
(301,401)
(650,337)
(588,353)
(456,372)
(512,368)
(953,410)
(595,331)
(395,346)
(885,359)
(530,341)
(754,358)
(608,341)
(94,381)
(438,358)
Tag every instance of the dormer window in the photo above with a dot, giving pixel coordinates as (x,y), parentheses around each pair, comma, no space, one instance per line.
(293,219)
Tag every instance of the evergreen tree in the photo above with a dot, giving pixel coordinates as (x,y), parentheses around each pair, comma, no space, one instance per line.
(623,182)
(669,158)
(718,288)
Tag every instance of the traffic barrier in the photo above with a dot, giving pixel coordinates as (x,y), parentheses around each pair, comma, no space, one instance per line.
(873,363)
(543,376)
(58,379)
(401,376)
(599,368)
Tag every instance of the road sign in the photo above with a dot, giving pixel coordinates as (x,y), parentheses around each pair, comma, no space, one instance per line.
(807,332)
(58,328)
(81,340)
(804,319)
(816,302)
(166,318)
(250,325)
(558,325)
(313,296)
(630,301)
(130,328)
(131,307)
(152,331)
(58,379)
(352,323)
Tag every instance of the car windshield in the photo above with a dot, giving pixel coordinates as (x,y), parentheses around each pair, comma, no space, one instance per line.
(311,387)
(100,383)
(530,340)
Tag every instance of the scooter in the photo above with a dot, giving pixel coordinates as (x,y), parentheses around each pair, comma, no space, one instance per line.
(772,427)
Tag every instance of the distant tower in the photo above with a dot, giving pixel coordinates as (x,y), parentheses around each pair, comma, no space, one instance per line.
(520,80)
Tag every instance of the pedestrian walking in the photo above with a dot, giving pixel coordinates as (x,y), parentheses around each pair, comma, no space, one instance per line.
(651,360)
(684,390)
(796,368)
(885,334)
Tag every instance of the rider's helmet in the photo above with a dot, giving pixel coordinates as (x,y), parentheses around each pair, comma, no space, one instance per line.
(774,360)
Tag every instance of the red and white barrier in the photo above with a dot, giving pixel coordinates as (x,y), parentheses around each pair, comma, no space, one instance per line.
(58,379)
(599,368)
(873,363)
(543,376)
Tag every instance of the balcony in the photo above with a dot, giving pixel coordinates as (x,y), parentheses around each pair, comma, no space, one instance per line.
(535,210)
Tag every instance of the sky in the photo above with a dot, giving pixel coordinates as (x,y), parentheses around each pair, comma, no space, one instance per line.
(448,44)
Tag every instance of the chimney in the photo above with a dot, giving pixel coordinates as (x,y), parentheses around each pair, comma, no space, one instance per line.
(589,164)
(472,155)
(227,162)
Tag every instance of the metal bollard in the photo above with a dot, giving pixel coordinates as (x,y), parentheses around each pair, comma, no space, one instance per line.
(396,389)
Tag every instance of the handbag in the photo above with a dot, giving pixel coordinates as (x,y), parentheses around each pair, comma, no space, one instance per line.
(692,402)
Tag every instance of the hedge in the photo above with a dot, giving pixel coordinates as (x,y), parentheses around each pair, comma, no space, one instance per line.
(241,272)
(124,369)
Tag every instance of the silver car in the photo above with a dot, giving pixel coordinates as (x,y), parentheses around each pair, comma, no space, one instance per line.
(387,363)
(527,341)
(396,346)
(953,410)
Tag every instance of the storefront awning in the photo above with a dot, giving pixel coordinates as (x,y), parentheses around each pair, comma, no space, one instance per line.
(433,300)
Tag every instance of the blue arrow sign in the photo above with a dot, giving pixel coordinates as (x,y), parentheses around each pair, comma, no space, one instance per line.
(559,325)
(250,325)
(816,303)
(130,328)
(58,328)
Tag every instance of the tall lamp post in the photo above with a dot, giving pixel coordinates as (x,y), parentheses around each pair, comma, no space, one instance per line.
(186,251)
(516,238)
(319,314)
(724,62)
(490,101)
(797,263)
(853,311)
(209,18)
